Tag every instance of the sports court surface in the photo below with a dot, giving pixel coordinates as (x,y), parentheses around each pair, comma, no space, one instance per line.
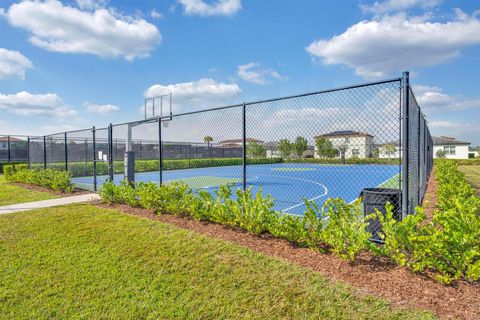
(289,184)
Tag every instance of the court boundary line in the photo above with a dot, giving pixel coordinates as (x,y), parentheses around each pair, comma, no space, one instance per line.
(301,179)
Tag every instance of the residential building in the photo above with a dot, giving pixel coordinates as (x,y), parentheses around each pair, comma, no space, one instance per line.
(350,144)
(451,147)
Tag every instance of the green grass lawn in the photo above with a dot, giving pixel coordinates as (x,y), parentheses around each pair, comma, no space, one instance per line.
(472,173)
(10,194)
(81,261)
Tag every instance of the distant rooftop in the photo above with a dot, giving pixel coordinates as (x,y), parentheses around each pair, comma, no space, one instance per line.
(443,140)
(12,139)
(344,133)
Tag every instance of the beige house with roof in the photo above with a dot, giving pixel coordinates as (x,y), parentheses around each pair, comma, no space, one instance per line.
(350,144)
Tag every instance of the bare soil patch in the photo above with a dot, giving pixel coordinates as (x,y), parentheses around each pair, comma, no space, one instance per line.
(369,274)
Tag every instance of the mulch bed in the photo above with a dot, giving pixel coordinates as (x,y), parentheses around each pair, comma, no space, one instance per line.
(75,192)
(368,275)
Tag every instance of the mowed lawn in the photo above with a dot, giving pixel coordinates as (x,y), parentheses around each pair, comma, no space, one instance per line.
(10,194)
(81,261)
(473,176)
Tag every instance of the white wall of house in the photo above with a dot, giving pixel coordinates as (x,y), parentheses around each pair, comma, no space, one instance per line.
(356,146)
(452,151)
(387,152)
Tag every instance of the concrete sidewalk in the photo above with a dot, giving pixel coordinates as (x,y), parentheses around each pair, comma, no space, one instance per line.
(48,203)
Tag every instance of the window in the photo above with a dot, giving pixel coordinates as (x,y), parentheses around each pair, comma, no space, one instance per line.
(449,150)
(347,140)
(355,152)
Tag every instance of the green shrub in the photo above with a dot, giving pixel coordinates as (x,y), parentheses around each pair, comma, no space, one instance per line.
(47,178)
(345,230)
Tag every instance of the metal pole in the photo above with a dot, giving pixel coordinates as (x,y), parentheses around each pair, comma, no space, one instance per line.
(405,144)
(94,161)
(9,156)
(110,152)
(28,151)
(66,151)
(44,152)
(244,151)
(160,151)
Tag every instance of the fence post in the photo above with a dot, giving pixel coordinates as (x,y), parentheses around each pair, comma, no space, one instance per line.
(405,143)
(94,160)
(110,152)
(160,151)
(44,152)
(28,152)
(9,156)
(244,151)
(66,151)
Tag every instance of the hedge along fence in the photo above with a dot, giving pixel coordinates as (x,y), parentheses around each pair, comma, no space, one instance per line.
(78,169)
(2,164)
(46,178)
(448,245)
(391,161)
(461,162)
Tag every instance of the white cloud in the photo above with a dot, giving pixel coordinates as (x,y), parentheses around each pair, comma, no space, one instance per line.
(102,32)
(28,104)
(217,8)
(254,73)
(392,44)
(100,108)
(155,14)
(91,4)
(380,7)
(433,99)
(195,94)
(13,64)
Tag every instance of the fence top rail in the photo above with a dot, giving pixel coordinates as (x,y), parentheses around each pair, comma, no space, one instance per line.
(283,98)
(164,118)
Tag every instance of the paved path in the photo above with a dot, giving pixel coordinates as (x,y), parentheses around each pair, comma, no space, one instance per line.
(48,203)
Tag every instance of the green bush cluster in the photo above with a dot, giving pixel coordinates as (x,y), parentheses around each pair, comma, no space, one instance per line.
(462,162)
(20,163)
(49,178)
(449,243)
(345,233)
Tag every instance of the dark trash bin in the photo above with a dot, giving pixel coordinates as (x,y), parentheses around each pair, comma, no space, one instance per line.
(377,198)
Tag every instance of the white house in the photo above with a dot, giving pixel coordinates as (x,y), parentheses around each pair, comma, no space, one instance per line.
(389,150)
(353,144)
(453,148)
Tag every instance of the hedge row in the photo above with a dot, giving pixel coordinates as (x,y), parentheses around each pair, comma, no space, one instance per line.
(448,245)
(78,169)
(49,178)
(462,162)
(346,161)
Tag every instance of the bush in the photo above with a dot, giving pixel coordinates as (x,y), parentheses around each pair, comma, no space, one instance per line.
(48,178)
(449,244)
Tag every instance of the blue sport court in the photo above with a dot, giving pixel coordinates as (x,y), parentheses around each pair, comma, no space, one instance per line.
(289,184)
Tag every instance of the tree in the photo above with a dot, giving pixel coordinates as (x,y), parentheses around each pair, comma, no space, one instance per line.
(285,147)
(207,140)
(440,154)
(255,150)
(300,146)
(325,148)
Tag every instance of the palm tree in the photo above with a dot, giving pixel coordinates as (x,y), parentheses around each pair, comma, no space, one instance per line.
(207,140)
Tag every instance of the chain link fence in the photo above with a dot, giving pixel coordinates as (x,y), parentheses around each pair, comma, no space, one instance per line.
(351,143)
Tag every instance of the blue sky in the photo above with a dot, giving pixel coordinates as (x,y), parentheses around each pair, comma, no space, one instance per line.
(73,64)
